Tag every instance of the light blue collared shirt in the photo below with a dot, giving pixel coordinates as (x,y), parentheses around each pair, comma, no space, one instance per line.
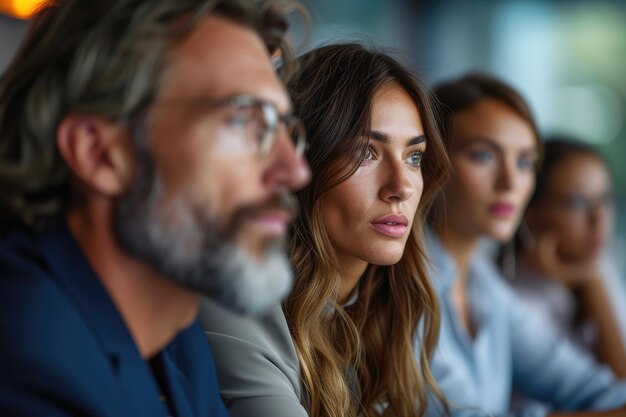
(511,349)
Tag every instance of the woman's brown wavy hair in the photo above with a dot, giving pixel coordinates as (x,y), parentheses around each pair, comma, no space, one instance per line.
(369,358)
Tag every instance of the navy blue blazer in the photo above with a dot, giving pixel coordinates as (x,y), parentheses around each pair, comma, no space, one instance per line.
(65,350)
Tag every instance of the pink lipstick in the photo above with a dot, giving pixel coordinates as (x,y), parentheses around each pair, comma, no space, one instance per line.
(502,210)
(393,225)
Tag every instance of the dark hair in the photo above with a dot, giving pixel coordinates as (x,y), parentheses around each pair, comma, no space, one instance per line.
(361,357)
(556,149)
(332,93)
(104,58)
(461,94)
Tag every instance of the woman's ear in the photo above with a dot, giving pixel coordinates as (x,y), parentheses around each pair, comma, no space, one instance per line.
(97,152)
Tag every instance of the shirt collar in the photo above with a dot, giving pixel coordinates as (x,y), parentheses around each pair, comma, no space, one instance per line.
(441,266)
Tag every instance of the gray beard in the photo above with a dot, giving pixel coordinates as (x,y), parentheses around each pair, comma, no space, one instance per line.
(189,249)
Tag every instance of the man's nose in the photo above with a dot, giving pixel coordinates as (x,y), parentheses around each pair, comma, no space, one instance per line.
(287,169)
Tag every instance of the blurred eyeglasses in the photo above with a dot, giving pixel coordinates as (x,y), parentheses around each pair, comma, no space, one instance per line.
(257,119)
(582,205)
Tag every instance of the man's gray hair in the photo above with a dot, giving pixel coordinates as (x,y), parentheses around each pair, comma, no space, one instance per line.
(104,58)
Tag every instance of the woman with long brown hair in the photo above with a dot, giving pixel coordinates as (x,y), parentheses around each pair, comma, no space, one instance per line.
(361,295)
(362,319)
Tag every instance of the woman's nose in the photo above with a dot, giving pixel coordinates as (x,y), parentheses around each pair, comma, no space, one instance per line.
(397,185)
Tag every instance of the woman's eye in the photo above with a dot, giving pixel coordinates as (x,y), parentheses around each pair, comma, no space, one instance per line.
(368,155)
(526,163)
(481,156)
(577,203)
(415,158)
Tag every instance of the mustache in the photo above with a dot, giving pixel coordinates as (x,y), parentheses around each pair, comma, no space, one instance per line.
(283,201)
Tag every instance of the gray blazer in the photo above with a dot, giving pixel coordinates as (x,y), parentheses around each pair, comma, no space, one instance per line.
(257,366)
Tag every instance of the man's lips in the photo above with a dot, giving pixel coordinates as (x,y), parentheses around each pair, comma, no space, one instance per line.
(503,210)
(270,217)
(272,222)
(393,225)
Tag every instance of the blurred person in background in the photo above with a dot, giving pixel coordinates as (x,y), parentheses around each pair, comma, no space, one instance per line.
(147,153)
(490,342)
(563,265)
(361,295)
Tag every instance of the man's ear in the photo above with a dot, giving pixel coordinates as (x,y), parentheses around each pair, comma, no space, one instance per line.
(98,152)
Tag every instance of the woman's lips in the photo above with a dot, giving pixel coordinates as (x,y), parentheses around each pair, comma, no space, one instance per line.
(393,225)
(392,230)
(502,210)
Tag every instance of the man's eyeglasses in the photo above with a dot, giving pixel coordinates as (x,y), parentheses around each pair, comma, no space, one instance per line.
(258,119)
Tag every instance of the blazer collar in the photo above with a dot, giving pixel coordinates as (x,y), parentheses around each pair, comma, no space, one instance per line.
(73,272)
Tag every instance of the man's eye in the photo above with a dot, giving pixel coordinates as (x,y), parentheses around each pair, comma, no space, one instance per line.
(241,118)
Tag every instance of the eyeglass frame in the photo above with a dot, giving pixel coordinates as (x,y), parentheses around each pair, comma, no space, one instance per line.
(578,204)
(271,118)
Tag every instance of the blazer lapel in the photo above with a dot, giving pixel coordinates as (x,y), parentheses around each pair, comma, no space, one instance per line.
(176,385)
(75,275)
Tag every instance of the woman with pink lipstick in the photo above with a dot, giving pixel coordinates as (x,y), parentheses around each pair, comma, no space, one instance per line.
(346,343)
(361,295)
(563,265)
(490,343)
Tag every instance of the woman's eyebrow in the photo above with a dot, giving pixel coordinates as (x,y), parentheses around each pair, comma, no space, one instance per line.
(416,140)
(482,140)
(381,137)
(378,136)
